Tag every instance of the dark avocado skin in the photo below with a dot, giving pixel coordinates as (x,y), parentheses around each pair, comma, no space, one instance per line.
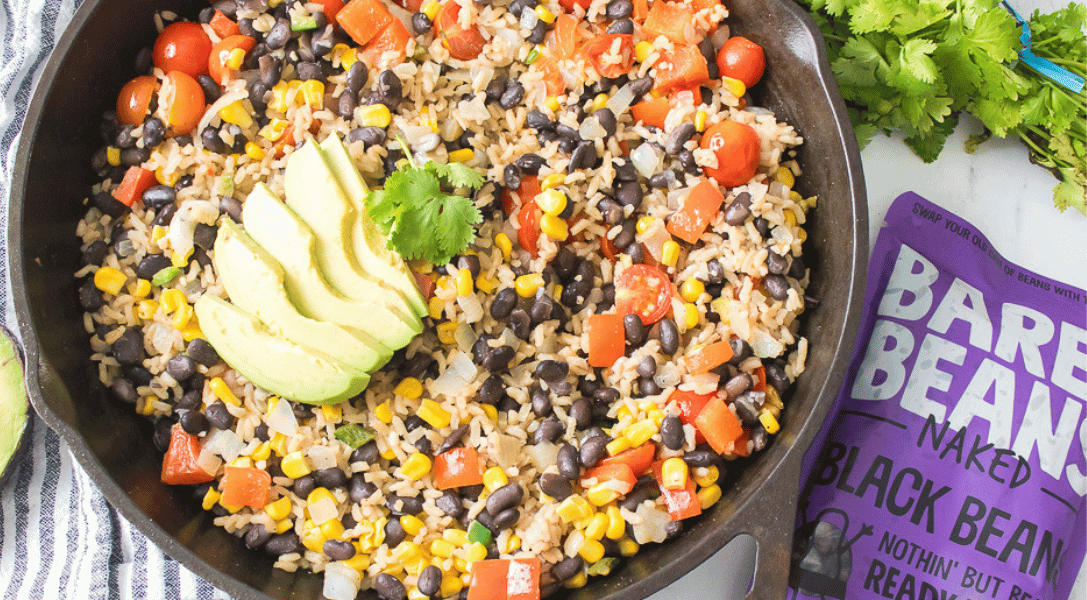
(13,405)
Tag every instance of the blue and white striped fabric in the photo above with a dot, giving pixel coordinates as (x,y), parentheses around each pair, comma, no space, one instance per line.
(59,539)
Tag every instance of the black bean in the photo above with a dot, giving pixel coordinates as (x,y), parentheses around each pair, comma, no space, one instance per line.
(621,27)
(625,171)
(498,359)
(630,193)
(556,486)
(261,432)
(204,236)
(90,297)
(592,450)
(360,489)
(797,270)
(633,329)
(134,157)
(506,519)
(420,23)
(648,387)
(582,412)
(512,95)
(507,496)
(759,438)
(181,367)
(567,568)
(143,60)
(232,207)
(745,410)
(165,215)
(366,453)
(776,263)
(537,119)
(550,429)
(738,385)
(283,543)
(701,458)
(669,336)
(776,377)
(511,176)
(394,533)
(612,212)
(183,140)
(452,440)
(123,137)
(190,400)
(567,462)
(356,77)
(151,264)
(339,549)
(541,309)
(639,495)
(389,587)
(672,433)
(625,237)
(450,503)
(109,205)
(508,404)
(687,161)
(128,349)
(404,505)
(323,41)
(647,367)
(414,422)
(619,9)
(211,140)
(279,34)
(309,70)
(417,365)
(332,477)
(153,133)
(271,70)
(678,137)
(492,390)
(504,302)
(663,180)
(739,209)
(521,324)
(529,163)
(194,422)
(162,434)
(641,86)
(219,416)
(423,445)
(518,6)
(608,294)
(496,87)
(389,88)
(202,352)
(430,578)
(672,529)
(606,118)
(762,226)
(540,400)
(777,285)
(95,253)
(303,486)
(583,157)
(538,33)
(256,536)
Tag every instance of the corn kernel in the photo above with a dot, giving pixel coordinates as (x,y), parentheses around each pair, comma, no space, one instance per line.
(319,494)
(601,495)
(447,332)
(451,586)
(279,444)
(462,156)
(773,398)
(692,289)
(147,309)
(618,445)
(254,151)
(222,391)
(617,526)
(769,422)
(359,562)
(642,50)
(735,86)
(785,177)
(551,181)
(553,103)
(409,387)
(314,540)
(211,498)
(294,465)
(486,284)
(408,551)
(412,525)
(273,130)
(709,496)
(576,581)
(657,415)
(172,299)
(552,202)
(388,454)
(644,224)
(236,114)
(457,537)
(231,508)
(554,228)
(430,9)
(279,509)
(513,544)
(110,280)
(491,411)
(674,474)
(670,253)
(691,316)
(475,552)
(113,156)
(242,461)
(435,306)
(624,412)
(790,217)
(465,284)
(700,121)
(148,406)
(140,288)
(279,97)
(591,550)
(640,432)
(374,115)
(600,101)
(709,478)
(158,232)
(582,523)
(527,285)
(442,548)
(182,316)
(504,244)
(234,59)
(191,331)
(545,15)
(180,260)
(333,413)
(416,466)
(433,413)
(628,547)
(598,526)
(384,412)
(574,508)
(494,478)
(284,525)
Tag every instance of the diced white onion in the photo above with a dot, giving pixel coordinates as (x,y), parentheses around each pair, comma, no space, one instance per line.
(621,100)
(508,450)
(653,527)
(341,582)
(543,455)
(281,419)
(763,345)
(591,129)
(209,462)
(667,375)
(473,309)
(321,457)
(646,159)
(466,337)
(529,19)
(464,367)
(322,511)
(224,100)
(225,443)
(574,541)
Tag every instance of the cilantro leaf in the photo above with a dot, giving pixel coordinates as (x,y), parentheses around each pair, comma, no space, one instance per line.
(457,175)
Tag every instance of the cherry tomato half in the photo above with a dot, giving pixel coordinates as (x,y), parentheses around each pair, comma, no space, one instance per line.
(528,220)
(181,103)
(134,100)
(644,291)
(182,46)
(464,43)
(219,57)
(740,58)
(737,149)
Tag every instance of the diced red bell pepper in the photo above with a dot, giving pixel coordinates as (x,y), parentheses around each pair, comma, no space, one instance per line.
(641,10)
(223,25)
(528,230)
(613,472)
(552,76)
(218,68)
(683,67)
(458,467)
(135,183)
(528,190)
(699,208)
(568,5)
(652,111)
(393,38)
(721,428)
(363,20)
(332,9)
(681,504)
(760,379)
(596,48)
(638,459)
(505,579)
(179,466)
(708,357)
(667,19)
(426,284)
(564,37)
(690,404)
(245,486)
(607,341)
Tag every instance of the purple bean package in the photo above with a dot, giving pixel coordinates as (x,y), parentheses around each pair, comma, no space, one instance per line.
(953,465)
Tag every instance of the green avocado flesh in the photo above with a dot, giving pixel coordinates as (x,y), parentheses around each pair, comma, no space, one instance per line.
(13,403)
(272,362)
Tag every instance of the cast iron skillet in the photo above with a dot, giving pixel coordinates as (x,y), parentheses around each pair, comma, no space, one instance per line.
(91,62)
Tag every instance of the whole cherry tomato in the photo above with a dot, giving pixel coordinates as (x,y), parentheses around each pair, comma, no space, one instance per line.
(644,291)
(182,46)
(181,103)
(218,61)
(740,58)
(134,100)
(736,147)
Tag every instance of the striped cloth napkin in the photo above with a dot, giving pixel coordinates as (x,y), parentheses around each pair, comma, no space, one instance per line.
(59,539)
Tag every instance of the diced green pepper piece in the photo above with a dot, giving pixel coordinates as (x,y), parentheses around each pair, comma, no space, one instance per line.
(165,276)
(226,185)
(477,532)
(354,435)
(303,23)
(603,566)
(533,56)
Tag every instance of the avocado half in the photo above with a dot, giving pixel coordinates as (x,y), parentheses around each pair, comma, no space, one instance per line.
(13,405)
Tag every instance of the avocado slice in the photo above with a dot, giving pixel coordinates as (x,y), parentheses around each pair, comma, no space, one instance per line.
(254,282)
(315,196)
(370,245)
(287,239)
(273,362)
(13,404)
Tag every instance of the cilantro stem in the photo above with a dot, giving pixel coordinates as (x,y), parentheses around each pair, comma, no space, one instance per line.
(407,151)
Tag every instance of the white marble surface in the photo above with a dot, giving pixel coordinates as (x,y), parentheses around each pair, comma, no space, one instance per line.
(1003,195)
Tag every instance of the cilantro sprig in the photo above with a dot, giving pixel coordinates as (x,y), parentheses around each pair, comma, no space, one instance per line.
(912,66)
(420,211)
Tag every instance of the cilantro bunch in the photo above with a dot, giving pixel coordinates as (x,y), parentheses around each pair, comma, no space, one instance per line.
(911,66)
(421,213)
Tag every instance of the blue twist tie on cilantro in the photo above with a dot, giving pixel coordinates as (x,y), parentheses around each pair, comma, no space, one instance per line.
(1058,74)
